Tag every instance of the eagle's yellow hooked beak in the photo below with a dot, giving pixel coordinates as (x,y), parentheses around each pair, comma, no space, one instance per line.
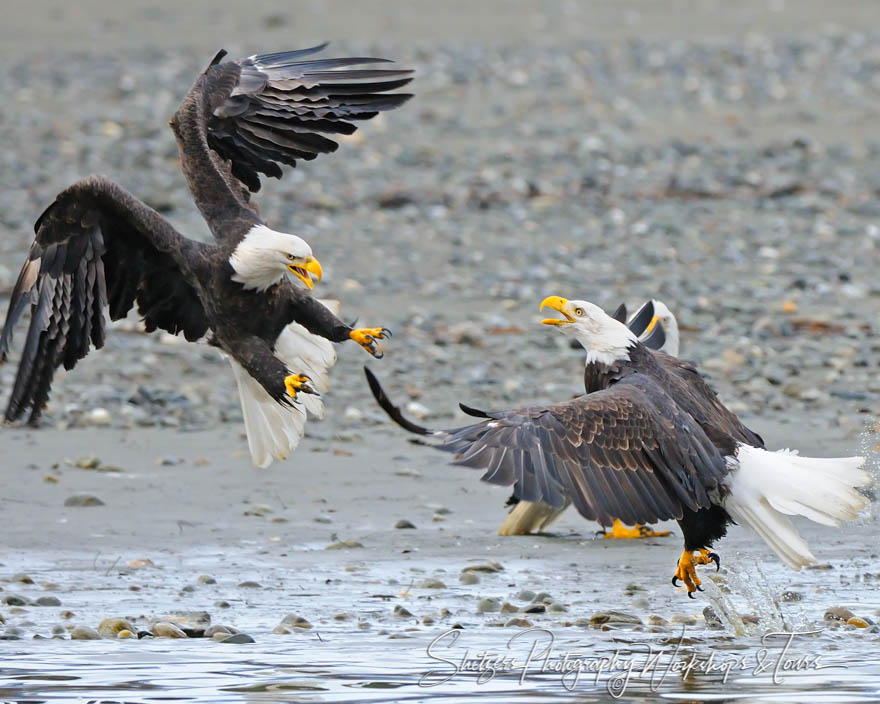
(304,272)
(556,303)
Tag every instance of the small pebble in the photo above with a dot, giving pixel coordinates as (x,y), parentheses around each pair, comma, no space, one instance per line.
(47,600)
(469,578)
(15,600)
(83,500)
(234,639)
(404,524)
(431,584)
(488,605)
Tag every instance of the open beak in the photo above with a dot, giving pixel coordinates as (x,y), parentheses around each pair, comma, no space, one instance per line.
(309,268)
(651,325)
(558,304)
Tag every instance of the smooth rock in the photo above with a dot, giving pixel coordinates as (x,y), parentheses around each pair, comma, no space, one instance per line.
(83,500)
(295,621)
(838,613)
(431,584)
(164,629)
(469,578)
(15,600)
(612,616)
(47,600)
(84,633)
(235,639)
(488,605)
(211,631)
(404,524)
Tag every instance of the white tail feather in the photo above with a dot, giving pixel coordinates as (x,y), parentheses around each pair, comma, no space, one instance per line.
(274,430)
(767,487)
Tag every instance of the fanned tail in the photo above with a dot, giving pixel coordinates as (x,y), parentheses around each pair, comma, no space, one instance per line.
(767,487)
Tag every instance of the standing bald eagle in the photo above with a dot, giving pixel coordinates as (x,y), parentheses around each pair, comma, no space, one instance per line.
(650,441)
(656,327)
(98,246)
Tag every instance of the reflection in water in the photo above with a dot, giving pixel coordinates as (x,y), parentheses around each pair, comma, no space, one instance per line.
(370,667)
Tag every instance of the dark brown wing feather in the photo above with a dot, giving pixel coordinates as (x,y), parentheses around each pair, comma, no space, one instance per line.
(692,388)
(625,452)
(95,246)
(260,113)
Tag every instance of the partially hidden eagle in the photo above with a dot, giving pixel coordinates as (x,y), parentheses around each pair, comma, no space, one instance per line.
(650,441)
(97,246)
(657,328)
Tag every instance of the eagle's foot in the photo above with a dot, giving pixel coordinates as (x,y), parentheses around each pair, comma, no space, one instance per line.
(687,572)
(298,383)
(366,338)
(620,532)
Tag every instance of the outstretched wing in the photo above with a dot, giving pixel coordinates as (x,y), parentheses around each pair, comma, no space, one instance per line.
(626,452)
(252,116)
(95,246)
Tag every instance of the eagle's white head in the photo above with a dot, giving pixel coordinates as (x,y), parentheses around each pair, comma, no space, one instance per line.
(605,339)
(664,316)
(264,257)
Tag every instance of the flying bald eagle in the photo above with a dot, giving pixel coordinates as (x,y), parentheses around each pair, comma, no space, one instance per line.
(656,327)
(650,441)
(97,246)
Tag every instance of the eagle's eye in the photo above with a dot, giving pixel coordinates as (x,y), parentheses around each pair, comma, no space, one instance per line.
(578,312)
(290,257)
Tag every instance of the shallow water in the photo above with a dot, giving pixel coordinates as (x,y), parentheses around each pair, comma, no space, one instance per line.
(362,667)
(374,656)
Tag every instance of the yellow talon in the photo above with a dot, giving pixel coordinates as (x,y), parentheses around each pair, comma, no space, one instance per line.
(366,338)
(296,383)
(620,532)
(687,572)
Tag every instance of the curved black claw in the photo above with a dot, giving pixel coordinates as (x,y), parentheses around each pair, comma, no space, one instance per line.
(716,559)
(691,595)
(674,580)
(699,588)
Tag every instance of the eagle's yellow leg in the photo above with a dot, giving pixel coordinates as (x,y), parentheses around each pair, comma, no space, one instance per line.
(687,568)
(366,338)
(620,532)
(296,383)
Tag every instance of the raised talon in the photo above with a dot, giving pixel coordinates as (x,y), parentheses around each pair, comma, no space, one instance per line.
(296,383)
(366,338)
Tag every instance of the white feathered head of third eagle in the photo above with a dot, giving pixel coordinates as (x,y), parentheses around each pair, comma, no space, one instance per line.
(605,339)
(264,257)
